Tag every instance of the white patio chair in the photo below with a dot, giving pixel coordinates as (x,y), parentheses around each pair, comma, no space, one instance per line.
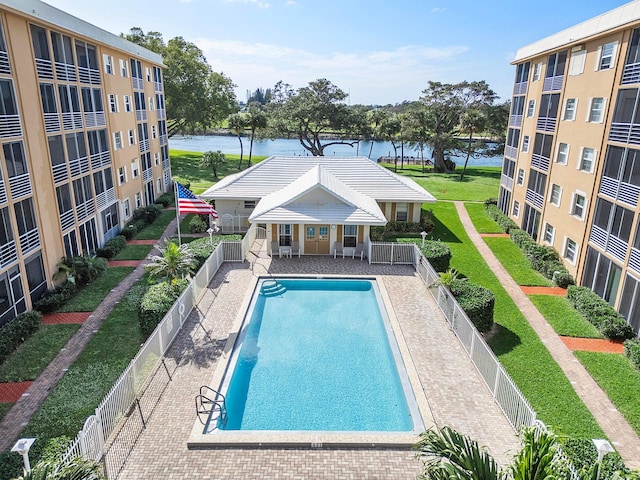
(338,250)
(359,251)
(275,249)
(295,248)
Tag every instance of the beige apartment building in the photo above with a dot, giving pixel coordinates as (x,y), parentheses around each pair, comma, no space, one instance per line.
(83,142)
(571,170)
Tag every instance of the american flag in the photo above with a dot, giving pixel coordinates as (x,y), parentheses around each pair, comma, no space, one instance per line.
(189,203)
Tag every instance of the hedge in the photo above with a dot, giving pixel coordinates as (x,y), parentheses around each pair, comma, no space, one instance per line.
(477,301)
(156,302)
(201,249)
(505,223)
(632,351)
(16,331)
(599,313)
(166,199)
(111,247)
(53,299)
(198,224)
(438,253)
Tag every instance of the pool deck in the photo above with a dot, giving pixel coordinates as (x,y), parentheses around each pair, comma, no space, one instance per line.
(456,394)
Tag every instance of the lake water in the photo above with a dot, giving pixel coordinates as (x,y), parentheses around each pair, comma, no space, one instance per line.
(291,147)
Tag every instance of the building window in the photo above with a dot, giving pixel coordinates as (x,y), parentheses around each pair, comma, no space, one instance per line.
(576,62)
(587,159)
(135,168)
(117,140)
(570,251)
(108,64)
(525,143)
(607,55)
(132,137)
(516,209)
(148,73)
(531,108)
(578,205)
(151,104)
(402,212)
(549,232)
(127,103)
(537,70)
(250,204)
(156,158)
(138,199)
(285,233)
(520,179)
(122,175)
(570,109)
(350,235)
(126,208)
(15,159)
(563,153)
(154,131)
(113,103)
(123,68)
(601,275)
(555,195)
(596,110)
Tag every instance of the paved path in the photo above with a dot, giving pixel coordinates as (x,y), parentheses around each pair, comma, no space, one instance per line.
(17,418)
(608,417)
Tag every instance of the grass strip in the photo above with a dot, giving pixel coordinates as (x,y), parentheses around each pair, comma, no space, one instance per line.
(133,252)
(4,408)
(155,230)
(92,374)
(564,319)
(516,262)
(33,356)
(483,222)
(88,299)
(515,343)
(619,379)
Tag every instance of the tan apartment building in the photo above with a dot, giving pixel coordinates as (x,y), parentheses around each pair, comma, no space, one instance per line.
(83,142)
(571,170)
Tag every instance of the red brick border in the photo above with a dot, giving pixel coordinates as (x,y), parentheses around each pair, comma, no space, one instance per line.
(65,317)
(11,392)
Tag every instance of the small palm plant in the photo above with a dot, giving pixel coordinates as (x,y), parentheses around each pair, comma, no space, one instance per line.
(448,278)
(174,262)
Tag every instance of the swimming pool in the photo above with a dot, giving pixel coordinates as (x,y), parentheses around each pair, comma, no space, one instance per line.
(319,355)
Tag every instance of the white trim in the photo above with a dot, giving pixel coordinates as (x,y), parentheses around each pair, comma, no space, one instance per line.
(566,161)
(564,110)
(553,233)
(565,242)
(513,209)
(550,200)
(577,60)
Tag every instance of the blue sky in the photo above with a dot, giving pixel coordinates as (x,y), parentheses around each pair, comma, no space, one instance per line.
(377,51)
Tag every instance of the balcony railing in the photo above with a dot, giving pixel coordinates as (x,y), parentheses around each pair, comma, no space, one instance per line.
(625,133)
(515,120)
(534,198)
(72,120)
(78,166)
(166,163)
(520,88)
(144,145)
(66,72)
(634,259)
(29,241)
(67,220)
(164,140)
(158,86)
(89,75)
(147,175)
(44,68)
(631,73)
(511,152)
(506,182)
(60,173)
(85,209)
(95,119)
(3,192)
(141,115)
(5,67)
(546,124)
(625,192)
(540,162)
(10,126)
(51,122)
(8,253)
(167,179)
(20,186)
(617,248)
(162,114)
(598,237)
(106,198)
(101,159)
(138,83)
(552,83)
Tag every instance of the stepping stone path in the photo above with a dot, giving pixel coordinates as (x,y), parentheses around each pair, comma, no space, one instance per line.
(12,392)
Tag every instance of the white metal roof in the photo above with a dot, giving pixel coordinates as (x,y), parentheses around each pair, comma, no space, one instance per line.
(602,23)
(42,11)
(318,196)
(358,173)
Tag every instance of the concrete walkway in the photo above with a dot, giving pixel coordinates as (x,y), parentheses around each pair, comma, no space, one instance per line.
(17,418)
(622,436)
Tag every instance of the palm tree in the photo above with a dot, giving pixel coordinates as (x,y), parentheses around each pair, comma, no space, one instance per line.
(77,469)
(237,125)
(175,261)
(255,119)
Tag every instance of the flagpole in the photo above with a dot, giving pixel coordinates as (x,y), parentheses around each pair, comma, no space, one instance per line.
(175,192)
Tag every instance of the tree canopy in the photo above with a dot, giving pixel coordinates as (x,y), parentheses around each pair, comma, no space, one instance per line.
(316,115)
(196,96)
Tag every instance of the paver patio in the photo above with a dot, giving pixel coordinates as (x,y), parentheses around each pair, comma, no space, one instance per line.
(457,396)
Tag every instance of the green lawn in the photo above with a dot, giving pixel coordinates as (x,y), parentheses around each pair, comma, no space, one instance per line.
(479,183)
(483,222)
(619,379)
(133,252)
(4,408)
(92,374)
(564,319)
(515,343)
(32,357)
(155,230)
(516,262)
(185,164)
(88,299)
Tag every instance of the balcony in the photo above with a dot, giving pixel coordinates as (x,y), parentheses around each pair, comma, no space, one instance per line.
(546,124)
(598,237)
(78,166)
(164,140)
(67,220)
(534,198)
(10,126)
(20,186)
(615,189)
(144,145)
(162,114)
(515,120)
(138,83)
(85,209)
(100,159)
(634,259)
(166,163)
(29,241)
(631,74)
(72,120)
(539,162)
(3,192)
(44,68)
(8,254)
(625,133)
(60,173)
(552,83)
(510,152)
(147,175)
(106,198)
(66,72)
(95,119)
(158,87)
(51,122)
(89,75)
(5,67)
(617,248)
(141,115)
(520,88)
(506,182)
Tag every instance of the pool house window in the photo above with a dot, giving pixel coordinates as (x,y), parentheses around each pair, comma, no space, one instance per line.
(350,237)
(285,235)
(402,212)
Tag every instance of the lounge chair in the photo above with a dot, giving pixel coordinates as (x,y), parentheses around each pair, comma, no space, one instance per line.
(338,250)
(275,249)
(358,251)
(295,248)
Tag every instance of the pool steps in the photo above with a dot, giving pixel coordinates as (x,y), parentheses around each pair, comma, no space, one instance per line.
(271,288)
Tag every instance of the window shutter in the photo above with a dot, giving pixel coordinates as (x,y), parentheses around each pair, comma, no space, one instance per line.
(598,58)
(586,119)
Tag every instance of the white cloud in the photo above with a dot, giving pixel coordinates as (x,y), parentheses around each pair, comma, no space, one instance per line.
(258,3)
(438,10)
(386,76)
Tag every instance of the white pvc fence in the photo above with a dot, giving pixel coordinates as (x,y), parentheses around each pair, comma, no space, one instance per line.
(126,392)
(393,253)
(505,392)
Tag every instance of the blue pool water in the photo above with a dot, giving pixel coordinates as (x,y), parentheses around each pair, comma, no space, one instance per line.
(317,358)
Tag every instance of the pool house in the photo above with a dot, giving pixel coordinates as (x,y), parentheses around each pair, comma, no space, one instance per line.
(316,205)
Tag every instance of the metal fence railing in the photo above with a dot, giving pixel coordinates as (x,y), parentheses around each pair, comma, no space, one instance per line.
(392,253)
(506,394)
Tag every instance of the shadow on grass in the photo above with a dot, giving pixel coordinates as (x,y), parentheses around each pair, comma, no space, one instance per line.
(441,232)
(503,340)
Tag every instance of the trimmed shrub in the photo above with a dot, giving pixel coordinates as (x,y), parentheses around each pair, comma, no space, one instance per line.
(16,331)
(632,351)
(616,328)
(156,302)
(53,299)
(166,199)
(111,247)
(85,269)
(438,253)
(477,302)
(201,249)
(129,231)
(520,238)
(562,278)
(505,223)
(491,201)
(197,224)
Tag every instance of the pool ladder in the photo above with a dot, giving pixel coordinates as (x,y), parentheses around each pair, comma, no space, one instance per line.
(212,405)
(272,288)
